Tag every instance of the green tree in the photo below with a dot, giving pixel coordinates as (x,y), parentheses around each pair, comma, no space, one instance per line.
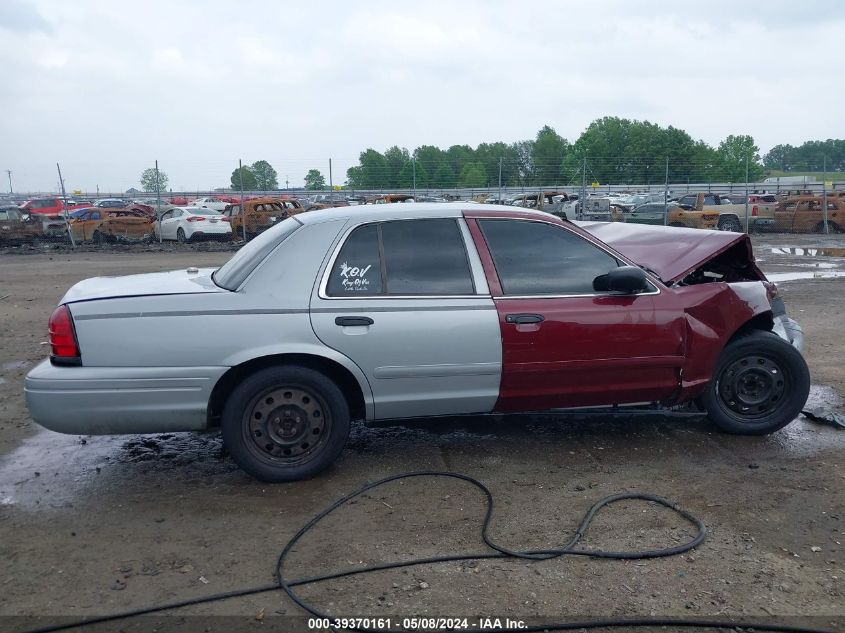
(266,178)
(473,175)
(371,173)
(314,180)
(547,155)
(149,183)
(249,182)
(443,176)
(397,159)
(734,152)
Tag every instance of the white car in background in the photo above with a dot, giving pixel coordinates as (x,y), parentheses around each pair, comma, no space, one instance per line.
(184,224)
(209,203)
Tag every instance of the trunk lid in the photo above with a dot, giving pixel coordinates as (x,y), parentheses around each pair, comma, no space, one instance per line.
(164,283)
(671,252)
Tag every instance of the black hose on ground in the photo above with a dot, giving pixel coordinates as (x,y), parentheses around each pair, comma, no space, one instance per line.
(499,551)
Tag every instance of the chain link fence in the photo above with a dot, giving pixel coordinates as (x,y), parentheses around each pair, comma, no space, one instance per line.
(645,190)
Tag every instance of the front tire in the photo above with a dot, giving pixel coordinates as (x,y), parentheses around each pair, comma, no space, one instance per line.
(760,385)
(180,236)
(285,423)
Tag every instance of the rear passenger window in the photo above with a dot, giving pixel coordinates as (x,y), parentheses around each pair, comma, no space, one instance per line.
(402,257)
(357,269)
(535,258)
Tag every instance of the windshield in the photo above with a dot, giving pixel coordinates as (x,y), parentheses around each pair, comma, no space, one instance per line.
(233,273)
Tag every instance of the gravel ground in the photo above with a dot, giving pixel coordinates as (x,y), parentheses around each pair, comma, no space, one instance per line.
(93,525)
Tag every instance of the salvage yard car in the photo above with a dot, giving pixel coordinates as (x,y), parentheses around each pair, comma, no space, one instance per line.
(110,225)
(184,224)
(407,311)
(261,214)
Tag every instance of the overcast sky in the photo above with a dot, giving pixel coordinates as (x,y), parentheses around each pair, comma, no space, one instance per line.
(106,87)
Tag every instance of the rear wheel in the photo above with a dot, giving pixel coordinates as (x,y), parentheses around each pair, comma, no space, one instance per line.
(729,223)
(285,423)
(760,385)
(832,227)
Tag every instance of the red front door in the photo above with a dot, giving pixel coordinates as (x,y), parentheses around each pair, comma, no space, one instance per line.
(564,344)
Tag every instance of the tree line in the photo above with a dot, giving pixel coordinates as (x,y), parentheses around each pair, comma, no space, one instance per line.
(611,150)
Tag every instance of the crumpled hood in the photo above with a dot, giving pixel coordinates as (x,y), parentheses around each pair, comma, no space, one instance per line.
(165,283)
(671,252)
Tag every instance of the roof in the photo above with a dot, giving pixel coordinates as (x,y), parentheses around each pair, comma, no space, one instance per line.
(407,211)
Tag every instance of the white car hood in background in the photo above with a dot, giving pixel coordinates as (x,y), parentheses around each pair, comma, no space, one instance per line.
(168,283)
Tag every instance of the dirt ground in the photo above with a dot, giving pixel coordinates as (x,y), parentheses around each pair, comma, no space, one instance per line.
(94,525)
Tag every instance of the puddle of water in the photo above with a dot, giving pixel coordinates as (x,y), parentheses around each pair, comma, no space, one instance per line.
(818,274)
(16,364)
(809,252)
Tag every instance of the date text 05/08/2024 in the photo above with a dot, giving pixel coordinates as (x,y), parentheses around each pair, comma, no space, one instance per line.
(415,623)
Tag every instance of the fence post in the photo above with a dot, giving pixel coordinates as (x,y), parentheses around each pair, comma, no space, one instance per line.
(243,207)
(331,182)
(824,195)
(665,195)
(64,208)
(747,228)
(158,203)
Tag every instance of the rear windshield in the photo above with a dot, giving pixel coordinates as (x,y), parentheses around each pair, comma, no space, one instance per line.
(195,211)
(233,273)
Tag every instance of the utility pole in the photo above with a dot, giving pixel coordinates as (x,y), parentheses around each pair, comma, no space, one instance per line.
(243,208)
(500,180)
(9,171)
(746,193)
(665,195)
(331,182)
(824,194)
(64,207)
(414,174)
(286,183)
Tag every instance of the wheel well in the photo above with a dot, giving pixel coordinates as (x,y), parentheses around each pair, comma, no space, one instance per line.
(342,377)
(764,321)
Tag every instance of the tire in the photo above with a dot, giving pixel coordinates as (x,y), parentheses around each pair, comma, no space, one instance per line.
(98,238)
(832,227)
(180,236)
(285,423)
(729,224)
(760,385)
(677,224)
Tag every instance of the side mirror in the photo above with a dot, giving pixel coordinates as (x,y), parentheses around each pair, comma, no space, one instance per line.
(626,279)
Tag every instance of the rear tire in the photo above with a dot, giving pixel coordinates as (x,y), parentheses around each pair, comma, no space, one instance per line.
(285,423)
(729,224)
(760,385)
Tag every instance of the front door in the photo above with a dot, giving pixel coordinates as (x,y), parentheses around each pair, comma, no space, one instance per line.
(565,344)
(407,301)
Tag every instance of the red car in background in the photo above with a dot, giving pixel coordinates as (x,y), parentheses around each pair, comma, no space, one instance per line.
(50,207)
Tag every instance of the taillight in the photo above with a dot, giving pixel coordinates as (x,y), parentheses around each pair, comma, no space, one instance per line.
(195,218)
(754,210)
(63,346)
(226,218)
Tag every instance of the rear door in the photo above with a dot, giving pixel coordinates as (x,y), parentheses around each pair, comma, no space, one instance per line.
(565,344)
(407,301)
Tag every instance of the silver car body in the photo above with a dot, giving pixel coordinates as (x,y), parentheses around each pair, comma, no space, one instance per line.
(149,367)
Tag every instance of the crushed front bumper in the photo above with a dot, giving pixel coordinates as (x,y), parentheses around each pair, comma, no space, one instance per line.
(789,330)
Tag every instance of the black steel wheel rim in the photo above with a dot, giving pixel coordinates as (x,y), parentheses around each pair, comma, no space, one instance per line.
(753,387)
(287,425)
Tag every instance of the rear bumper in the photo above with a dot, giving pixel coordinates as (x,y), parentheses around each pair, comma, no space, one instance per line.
(114,400)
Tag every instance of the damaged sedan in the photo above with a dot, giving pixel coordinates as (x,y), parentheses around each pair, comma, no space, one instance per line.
(409,311)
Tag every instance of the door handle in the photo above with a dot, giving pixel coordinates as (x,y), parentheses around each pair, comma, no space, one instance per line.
(524,318)
(353,320)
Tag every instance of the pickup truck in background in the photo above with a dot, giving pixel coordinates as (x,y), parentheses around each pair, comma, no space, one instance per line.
(761,211)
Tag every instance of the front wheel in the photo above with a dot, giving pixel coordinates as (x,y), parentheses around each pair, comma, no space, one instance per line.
(760,385)
(285,423)
(180,236)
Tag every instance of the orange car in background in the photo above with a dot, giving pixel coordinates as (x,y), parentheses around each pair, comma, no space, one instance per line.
(804,214)
(260,214)
(105,225)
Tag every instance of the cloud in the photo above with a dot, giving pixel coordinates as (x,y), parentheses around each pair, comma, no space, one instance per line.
(20,16)
(108,88)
